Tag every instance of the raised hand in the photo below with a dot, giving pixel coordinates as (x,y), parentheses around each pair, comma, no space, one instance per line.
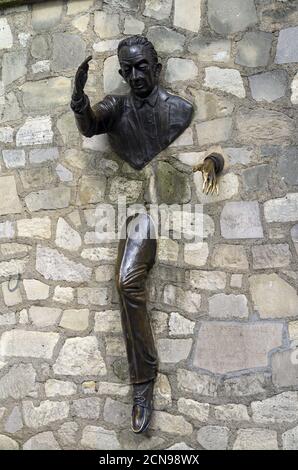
(81,77)
(210,185)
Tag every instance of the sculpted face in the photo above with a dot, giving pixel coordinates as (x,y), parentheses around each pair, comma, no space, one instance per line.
(138,69)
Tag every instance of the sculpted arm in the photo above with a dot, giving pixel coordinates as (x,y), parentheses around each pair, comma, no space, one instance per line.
(90,121)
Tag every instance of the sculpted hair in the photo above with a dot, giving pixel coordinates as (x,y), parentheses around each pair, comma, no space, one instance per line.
(138,40)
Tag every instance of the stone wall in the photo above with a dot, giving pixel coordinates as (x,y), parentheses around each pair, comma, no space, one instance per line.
(224,310)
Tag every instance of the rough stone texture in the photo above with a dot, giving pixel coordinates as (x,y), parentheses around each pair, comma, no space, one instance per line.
(35,131)
(56,198)
(158,9)
(294,235)
(77,320)
(281,408)
(19,382)
(230,256)
(241,220)
(208,280)
(68,51)
(256,439)
(256,178)
(288,165)
(36,290)
(290,439)
(87,408)
(34,228)
(263,125)
(246,346)
(180,326)
(45,17)
(53,265)
(273,297)
(285,368)
(133,26)
(193,409)
(7,443)
(294,88)
(80,356)
(13,66)
(9,199)
(170,424)
(67,433)
(213,437)
(21,343)
(55,388)
(271,256)
(112,80)
(165,40)
(182,18)
(173,350)
(14,422)
(45,413)
(42,441)
(180,69)
(228,306)
(116,412)
(283,209)
(96,437)
(106,25)
(51,93)
(254,49)
(196,254)
(62,323)
(284,53)
(6,39)
(66,236)
(227,80)
(177,297)
(14,158)
(218,130)
(230,16)
(231,412)
(43,317)
(107,322)
(268,86)
(210,106)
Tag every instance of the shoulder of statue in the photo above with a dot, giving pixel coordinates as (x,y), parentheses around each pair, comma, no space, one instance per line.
(112,103)
(175,100)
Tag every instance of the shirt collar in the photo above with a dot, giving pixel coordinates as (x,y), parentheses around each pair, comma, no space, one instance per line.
(151,99)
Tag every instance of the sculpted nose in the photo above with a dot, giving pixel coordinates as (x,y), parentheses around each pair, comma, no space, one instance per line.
(134,73)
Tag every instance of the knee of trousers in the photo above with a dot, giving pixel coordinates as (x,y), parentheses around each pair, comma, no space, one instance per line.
(132,282)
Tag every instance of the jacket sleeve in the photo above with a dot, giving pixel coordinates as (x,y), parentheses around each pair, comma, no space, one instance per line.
(95,120)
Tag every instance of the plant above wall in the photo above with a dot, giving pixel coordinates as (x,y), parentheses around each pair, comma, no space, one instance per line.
(12,3)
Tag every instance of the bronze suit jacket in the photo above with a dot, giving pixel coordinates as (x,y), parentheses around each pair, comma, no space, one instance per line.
(138,129)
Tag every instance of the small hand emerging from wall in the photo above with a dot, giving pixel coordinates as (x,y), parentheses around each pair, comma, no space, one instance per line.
(210,168)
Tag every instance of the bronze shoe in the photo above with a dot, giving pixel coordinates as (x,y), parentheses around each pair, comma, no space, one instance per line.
(142,406)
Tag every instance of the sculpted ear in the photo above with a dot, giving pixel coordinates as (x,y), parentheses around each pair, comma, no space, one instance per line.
(158,69)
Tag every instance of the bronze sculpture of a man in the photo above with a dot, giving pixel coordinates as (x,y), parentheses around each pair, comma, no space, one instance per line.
(139,125)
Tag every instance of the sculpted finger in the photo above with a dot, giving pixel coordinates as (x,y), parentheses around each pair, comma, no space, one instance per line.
(85,64)
(197,167)
(209,187)
(205,179)
(216,188)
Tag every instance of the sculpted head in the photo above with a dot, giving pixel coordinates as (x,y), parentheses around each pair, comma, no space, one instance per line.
(139,64)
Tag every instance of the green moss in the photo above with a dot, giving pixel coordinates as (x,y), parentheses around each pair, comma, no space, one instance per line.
(12,3)
(172,185)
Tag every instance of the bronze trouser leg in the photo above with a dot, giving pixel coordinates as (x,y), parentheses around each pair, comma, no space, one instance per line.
(135,258)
